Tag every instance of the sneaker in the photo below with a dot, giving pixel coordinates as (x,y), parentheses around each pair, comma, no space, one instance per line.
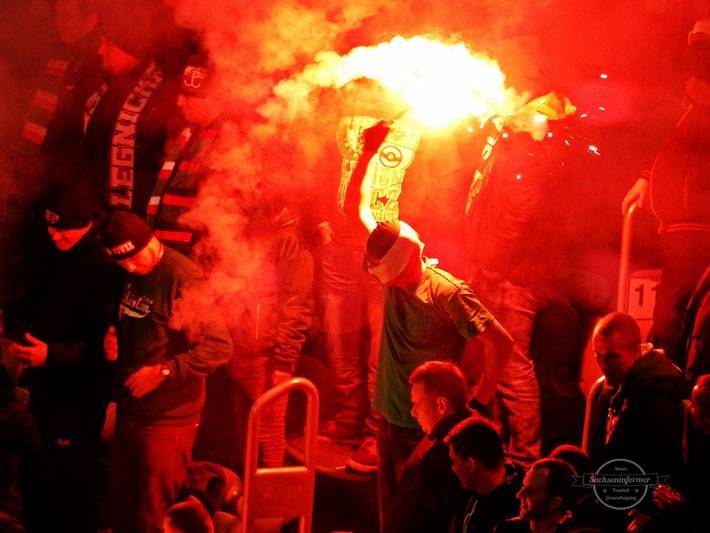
(364,459)
(338,433)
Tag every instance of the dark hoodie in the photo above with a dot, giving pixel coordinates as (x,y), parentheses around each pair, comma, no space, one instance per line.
(643,424)
(647,414)
(646,418)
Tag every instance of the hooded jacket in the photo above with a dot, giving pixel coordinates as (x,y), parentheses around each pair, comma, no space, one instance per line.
(645,418)
(276,319)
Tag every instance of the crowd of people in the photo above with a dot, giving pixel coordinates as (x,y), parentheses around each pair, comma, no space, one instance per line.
(461,395)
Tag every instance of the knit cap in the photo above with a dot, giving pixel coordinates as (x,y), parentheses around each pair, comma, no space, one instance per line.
(129,26)
(125,235)
(197,75)
(69,207)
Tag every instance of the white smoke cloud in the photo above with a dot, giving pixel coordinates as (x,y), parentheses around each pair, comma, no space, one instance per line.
(294,62)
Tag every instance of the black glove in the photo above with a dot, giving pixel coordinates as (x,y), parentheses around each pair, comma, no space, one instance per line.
(374,136)
(485,411)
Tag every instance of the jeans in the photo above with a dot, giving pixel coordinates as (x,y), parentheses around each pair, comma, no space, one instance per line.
(149,465)
(354,303)
(517,402)
(272,427)
(394,446)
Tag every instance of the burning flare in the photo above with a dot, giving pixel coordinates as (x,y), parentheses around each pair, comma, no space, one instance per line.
(437,83)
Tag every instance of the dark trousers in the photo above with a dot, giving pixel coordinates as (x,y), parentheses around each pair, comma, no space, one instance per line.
(394,446)
(149,465)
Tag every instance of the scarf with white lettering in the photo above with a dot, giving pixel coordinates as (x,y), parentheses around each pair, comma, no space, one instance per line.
(123,142)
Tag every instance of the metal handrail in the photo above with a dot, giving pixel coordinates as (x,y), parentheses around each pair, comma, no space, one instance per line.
(622,293)
(589,412)
(298,482)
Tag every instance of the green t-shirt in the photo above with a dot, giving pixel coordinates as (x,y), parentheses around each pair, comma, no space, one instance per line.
(429,320)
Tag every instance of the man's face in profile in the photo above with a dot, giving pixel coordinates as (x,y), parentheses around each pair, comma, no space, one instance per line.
(65,239)
(424,408)
(463,468)
(534,501)
(614,360)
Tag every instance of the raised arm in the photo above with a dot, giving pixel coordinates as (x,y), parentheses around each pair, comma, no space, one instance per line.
(357,198)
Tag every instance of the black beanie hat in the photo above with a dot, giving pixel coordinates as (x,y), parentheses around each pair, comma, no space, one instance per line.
(126,234)
(129,26)
(197,75)
(69,207)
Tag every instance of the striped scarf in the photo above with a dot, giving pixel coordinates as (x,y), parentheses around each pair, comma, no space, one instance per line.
(123,141)
(45,99)
(176,187)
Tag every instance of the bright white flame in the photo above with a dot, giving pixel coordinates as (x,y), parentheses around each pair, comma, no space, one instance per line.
(438,83)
